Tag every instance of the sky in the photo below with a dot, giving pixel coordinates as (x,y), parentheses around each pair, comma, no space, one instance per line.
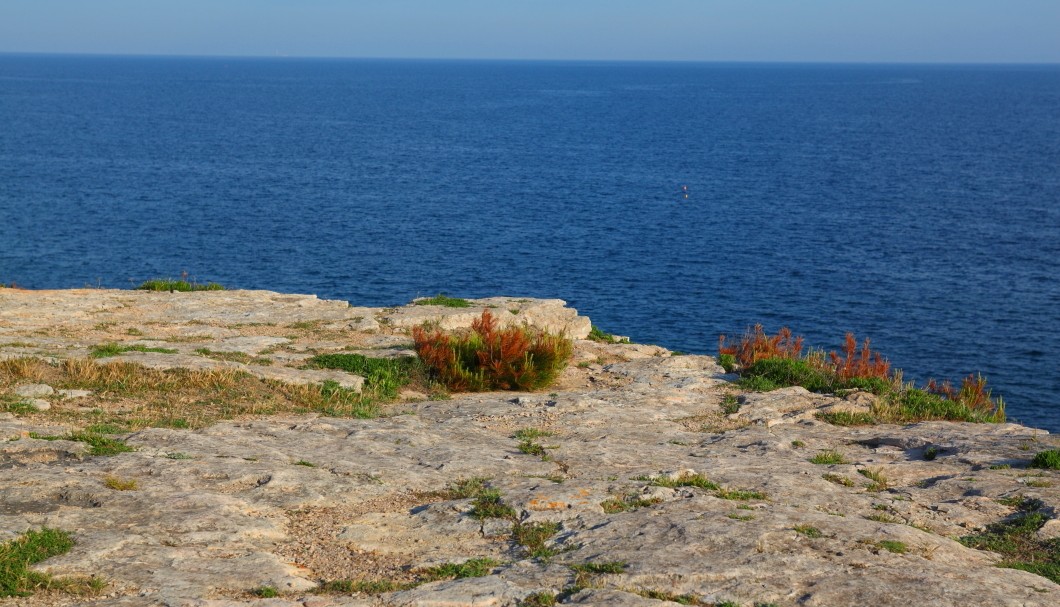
(934,31)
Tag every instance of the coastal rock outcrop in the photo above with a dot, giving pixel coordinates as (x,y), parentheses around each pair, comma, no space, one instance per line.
(650,476)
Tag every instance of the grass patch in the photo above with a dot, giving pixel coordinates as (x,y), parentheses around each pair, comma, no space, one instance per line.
(769,362)
(136,397)
(488,504)
(362,586)
(539,599)
(120,484)
(829,457)
(809,531)
(1047,460)
(183,286)
(450,571)
(879,481)
(237,357)
(739,494)
(32,547)
(846,418)
(443,300)
(615,505)
(533,538)
(1017,542)
(467,488)
(491,358)
(113,349)
(662,595)
(596,334)
(687,480)
(607,567)
(531,434)
(730,404)
(893,546)
(302,462)
(383,377)
(266,592)
(529,447)
(98,444)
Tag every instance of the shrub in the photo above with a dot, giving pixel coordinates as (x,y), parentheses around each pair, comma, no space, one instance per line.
(443,300)
(491,358)
(1049,460)
(863,364)
(756,345)
(165,284)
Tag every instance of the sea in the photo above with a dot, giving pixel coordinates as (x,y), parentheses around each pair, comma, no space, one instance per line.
(917,205)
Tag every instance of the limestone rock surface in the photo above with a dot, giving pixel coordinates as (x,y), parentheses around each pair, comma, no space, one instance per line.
(211,516)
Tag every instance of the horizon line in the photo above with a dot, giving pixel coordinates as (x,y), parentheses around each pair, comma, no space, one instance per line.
(523,59)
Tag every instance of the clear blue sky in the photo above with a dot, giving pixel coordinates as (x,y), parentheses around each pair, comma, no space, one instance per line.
(703,30)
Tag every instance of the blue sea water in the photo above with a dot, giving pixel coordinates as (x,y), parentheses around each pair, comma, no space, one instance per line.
(917,205)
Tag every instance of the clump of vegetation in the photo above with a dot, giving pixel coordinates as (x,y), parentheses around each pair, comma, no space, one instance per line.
(533,537)
(539,599)
(99,444)
(809,531)
(113,349)
(120,484)
(685,480)
(449,571)
(628,503)
(488,504)
(177,398)
(597,334)
(829,457)
(266,592)
(383,377)
(894,546)
(183,285)
(879,481)
(768,362)
(362,586)
(491,358)
(30,548)
(839,480)
(1048,460)
(238,357)
(443,300)
(846,418)
(1016,540)
(680,599)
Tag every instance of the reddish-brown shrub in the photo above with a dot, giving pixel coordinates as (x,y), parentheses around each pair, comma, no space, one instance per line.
(972,393)
(864,363)
(491,358)
(756,345)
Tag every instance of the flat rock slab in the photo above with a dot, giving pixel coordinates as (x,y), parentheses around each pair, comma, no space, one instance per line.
(289,502)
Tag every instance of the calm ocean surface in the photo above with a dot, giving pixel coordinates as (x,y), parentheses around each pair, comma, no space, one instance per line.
(916,205)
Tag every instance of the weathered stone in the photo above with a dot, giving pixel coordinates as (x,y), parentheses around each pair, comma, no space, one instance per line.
(38,403)
(34,390)
(289,501)
(73,394)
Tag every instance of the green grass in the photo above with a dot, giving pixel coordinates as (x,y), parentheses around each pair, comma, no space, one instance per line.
(688,480)
(1016,540)
(443,300)
(680,599)
(893,546)
(533,538)
(627,504)
(730,404)
(1047,460)
(846,418)
(467,488)
(361,586)
(896,402)
(879,481)
(113,349)
(727,362)
(99,444)
(606,567)
(839,480)
(449,571)
(32,547)
(830,457)
(165,284)
(488,504)
(266,592)
(597,334)
(809,531)
(383,377)
(539,599)
(303,462)
(739,494)
(531,434)
(529,447)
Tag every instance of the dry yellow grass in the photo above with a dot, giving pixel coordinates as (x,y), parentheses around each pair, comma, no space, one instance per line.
(132,396)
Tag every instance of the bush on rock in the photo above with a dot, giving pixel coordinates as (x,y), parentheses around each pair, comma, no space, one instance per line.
(491,358)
